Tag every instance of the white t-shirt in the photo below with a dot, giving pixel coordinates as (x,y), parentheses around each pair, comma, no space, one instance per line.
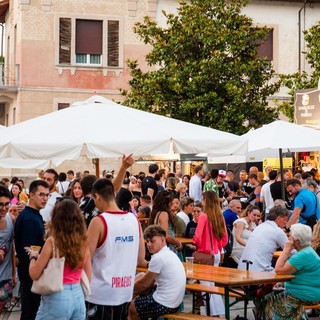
(184,217)
(264,240)
(267,197)
(46,211)
(63,186)
(195,188)
(171,279)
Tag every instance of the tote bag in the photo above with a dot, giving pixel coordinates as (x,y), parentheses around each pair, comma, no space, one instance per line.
(51,279)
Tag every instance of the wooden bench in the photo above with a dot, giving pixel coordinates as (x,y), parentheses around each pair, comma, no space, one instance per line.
(197,287)
(207,290)
(187,316)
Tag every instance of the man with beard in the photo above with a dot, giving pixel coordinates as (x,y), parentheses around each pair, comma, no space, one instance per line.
(51,177)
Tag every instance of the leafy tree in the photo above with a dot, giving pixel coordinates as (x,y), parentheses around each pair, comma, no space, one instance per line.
(303,80)
(207,70)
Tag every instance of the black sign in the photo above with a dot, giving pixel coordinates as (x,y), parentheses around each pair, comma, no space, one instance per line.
(307,107)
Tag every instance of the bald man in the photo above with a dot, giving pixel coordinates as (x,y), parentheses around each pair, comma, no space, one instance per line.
(231,214)
(254,170)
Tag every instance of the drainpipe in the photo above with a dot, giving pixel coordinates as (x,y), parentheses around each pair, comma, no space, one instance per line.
(299,25)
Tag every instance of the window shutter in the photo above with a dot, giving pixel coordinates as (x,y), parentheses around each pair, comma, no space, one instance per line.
(65,40)
(89,36)
(113,43)
(265,50)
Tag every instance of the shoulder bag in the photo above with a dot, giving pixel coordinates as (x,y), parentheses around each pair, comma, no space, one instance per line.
(204,258)
(85,284)
(51,279)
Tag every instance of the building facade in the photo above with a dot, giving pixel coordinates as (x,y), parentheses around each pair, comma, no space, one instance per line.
(58,52)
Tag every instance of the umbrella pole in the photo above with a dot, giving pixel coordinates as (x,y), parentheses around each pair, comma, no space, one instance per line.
(282,176)
(97,165)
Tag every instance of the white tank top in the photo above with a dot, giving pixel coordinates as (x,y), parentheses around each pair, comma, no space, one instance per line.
(114,262)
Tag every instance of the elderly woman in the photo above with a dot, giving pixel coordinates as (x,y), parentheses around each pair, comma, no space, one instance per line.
(311,185)
(304,289)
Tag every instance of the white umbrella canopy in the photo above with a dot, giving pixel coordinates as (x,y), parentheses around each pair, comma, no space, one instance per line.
(26,163)
(283,135)
(101,128)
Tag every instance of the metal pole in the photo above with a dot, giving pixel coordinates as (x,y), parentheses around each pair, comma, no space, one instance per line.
(283,195)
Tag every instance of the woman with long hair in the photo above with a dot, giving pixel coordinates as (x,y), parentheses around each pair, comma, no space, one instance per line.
(210,237)
(134,204)
(15,194)
(161,214)
(75,191)
(67,234)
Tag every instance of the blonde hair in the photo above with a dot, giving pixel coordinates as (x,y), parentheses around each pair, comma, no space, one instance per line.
(214,213)
(180,186)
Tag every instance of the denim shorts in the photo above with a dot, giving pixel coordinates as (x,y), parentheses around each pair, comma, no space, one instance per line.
(68,304)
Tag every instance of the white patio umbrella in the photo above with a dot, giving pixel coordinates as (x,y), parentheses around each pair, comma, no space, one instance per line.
(283,135)
(101,128)
(26,163)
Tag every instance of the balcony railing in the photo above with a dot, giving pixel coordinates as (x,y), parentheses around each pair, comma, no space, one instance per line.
(9,76)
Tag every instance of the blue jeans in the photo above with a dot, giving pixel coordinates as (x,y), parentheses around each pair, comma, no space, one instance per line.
(65,305)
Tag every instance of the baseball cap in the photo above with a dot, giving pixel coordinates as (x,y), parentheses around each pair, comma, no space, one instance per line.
(222,173)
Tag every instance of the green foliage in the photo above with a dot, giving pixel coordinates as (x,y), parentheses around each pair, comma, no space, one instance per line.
(303,80)
(206,68)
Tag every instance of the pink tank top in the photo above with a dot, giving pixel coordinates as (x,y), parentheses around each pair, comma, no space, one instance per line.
(71,276)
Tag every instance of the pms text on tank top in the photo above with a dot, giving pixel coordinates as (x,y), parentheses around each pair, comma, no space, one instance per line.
(114,262)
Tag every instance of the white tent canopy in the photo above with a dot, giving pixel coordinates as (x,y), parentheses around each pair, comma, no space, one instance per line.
(101,128)
(283,135)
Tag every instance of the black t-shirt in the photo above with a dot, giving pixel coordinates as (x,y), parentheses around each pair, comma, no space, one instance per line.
(149,183)
(123,197)
(275,189)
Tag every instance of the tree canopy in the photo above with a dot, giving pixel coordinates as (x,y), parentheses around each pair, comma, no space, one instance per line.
(304,80)
(206,68)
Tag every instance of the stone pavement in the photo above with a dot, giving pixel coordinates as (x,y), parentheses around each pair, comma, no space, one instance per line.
(187,304)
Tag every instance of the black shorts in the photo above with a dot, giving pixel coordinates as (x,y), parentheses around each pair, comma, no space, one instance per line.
(99,312)
(147,307)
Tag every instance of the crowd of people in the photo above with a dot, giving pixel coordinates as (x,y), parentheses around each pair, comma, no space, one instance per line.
(107,226)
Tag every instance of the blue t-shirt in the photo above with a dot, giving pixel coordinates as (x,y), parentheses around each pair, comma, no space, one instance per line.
(306,284)
(230,217)
(306,201)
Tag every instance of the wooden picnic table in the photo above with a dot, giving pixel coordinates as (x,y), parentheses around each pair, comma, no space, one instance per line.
(185,240)
(231,278)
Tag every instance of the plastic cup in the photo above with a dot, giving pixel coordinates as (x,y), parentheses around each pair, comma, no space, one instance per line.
(35,248)
(189,264)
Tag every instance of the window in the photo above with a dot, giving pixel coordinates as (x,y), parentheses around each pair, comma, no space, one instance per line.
(63,106)
(265,50)
(88,42)
(95,42)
